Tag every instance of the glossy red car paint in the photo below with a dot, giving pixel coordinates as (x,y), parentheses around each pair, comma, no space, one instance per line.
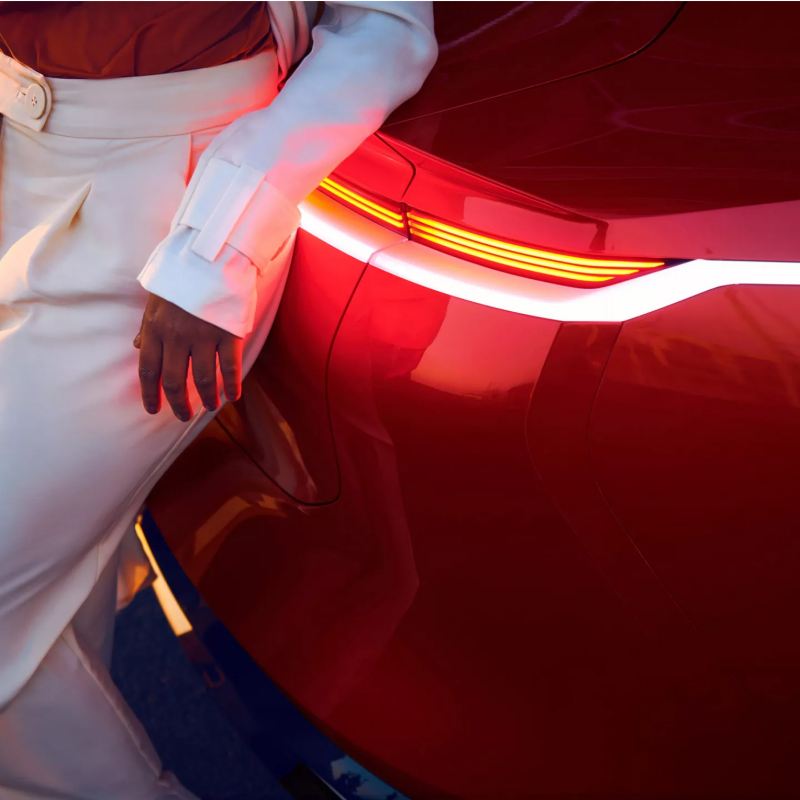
(505,541)
(687,150)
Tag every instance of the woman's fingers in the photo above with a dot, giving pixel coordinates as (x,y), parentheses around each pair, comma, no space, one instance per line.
(167,339)
(230,365)
(204,372)
(137,341)
(150,372)
(173,378)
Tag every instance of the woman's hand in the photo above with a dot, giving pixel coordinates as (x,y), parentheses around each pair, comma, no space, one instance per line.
(168,339)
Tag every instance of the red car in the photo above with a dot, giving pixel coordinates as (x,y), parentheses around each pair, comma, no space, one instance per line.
(509,507)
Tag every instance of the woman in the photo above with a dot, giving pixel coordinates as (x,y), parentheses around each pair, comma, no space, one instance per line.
(153,156)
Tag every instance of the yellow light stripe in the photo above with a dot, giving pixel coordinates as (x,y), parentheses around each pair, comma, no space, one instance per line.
(177,620)
(365,208)
(492,252)
(361,202)
(364,203)
(558,273)
(344,191)
(349,192)
(530,251)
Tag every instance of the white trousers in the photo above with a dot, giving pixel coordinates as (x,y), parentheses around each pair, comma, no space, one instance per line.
(83,202)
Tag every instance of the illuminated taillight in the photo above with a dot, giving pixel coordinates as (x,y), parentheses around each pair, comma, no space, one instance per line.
(379,211)
(520,258)
(509,256)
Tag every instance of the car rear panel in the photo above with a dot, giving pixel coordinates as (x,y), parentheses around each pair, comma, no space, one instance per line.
(494,603)
(499,539)
(487,603)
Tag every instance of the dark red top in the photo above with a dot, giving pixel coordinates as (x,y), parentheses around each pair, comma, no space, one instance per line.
(120,39)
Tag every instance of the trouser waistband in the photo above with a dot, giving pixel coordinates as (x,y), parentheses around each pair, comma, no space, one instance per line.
(167,104)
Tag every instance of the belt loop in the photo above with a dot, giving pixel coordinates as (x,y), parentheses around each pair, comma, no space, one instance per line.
(25,94)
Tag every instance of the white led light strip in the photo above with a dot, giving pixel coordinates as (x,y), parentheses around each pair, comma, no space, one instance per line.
(393,253)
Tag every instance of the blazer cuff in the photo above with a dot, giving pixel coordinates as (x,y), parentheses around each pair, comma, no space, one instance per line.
(222,292)
(228,230)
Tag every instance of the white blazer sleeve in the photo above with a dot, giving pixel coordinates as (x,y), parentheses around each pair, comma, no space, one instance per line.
(241,204)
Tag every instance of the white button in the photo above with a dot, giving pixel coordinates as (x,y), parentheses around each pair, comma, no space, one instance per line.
(35,101)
